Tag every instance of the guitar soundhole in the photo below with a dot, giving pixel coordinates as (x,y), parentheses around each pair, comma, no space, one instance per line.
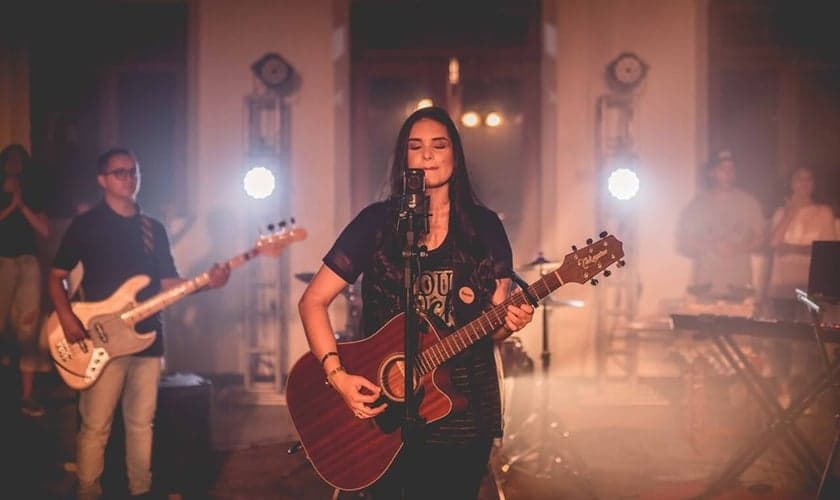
(392,378)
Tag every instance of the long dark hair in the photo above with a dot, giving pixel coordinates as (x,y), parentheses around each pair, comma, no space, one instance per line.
(469,252)
(462,198)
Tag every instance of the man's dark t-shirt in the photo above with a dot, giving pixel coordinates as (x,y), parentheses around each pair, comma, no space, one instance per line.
(111,249)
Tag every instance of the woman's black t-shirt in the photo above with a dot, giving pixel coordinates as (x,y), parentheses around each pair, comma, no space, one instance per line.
(357,251)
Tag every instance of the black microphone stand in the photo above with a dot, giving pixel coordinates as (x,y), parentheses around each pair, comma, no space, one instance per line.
(413,223)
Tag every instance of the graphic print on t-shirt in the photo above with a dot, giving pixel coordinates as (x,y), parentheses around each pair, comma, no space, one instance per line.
(432,292)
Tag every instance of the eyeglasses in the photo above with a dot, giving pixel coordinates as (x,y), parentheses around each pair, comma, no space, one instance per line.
(123,173)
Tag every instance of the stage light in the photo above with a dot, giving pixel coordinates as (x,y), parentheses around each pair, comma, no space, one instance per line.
(424,103)
(259,183)
(493,119)
(470,119)
(623,183)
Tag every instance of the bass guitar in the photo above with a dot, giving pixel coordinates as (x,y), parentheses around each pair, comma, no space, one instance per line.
(351,453)
(109,324)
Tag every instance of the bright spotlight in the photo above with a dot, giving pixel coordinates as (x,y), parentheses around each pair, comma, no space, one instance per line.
(258,183)
(493,119)
(424,103)
(470,119)
(623,183)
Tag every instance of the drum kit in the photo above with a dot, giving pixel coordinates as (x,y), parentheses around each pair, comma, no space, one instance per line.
(538,444)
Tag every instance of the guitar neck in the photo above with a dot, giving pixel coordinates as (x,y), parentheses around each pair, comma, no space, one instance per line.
(483,326)
(168,297)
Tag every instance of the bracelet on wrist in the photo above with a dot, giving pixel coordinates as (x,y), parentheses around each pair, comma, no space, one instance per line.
(332,373)
(327,355)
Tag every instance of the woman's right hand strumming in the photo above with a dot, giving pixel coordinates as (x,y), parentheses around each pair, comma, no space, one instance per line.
(72,327)
(358,393)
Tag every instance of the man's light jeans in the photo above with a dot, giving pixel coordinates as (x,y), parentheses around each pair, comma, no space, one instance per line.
(136,379)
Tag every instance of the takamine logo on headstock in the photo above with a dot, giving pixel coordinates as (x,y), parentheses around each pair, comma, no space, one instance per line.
(583,264)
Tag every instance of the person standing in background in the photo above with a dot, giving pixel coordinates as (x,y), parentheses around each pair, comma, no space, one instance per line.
(719,230)
(22,222)
(795,226)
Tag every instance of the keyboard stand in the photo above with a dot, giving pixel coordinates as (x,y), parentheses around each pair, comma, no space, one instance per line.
(782,420)
(829,482)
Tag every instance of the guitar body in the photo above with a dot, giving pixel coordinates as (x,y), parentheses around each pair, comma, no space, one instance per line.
(80,363)
(351,453)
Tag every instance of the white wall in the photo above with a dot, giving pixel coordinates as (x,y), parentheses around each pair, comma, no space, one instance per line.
(225,39)
(669,132)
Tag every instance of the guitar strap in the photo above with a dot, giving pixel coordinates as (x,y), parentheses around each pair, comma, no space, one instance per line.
(147,233)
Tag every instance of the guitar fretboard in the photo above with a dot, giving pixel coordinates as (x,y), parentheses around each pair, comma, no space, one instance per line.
(168,297)
(487,323)
(579,267)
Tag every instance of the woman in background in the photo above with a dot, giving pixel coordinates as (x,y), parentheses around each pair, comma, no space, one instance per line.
(21,221)
(795,226)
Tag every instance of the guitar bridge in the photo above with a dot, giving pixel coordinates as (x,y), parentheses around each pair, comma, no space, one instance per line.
(97,363)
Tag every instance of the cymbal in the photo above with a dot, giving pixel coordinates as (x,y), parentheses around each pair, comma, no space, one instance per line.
(305,277)
(563,303)
(540,262)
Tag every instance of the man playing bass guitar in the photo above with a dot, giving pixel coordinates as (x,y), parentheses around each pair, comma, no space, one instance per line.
(115,241)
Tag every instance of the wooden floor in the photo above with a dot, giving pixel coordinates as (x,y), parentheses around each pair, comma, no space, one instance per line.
(585,439)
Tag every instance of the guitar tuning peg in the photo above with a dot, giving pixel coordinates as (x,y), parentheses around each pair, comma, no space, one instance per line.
(603,234)
(292,220)
(271,227)
(574,248)
(607,273)
(621,263)
(588,241)
(593,281)
(282,224)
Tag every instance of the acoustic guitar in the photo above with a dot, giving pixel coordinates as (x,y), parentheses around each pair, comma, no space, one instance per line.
(351,453)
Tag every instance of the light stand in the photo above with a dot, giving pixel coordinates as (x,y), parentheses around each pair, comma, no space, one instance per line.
(548,449)
(264,348)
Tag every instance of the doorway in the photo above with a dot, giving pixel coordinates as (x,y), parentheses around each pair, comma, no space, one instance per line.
(484,61)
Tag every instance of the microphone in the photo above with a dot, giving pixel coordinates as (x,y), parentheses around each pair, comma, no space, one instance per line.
(415,203)
(414,185)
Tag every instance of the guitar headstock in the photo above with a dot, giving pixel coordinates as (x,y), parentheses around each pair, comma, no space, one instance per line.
(273,244)
(582,265)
